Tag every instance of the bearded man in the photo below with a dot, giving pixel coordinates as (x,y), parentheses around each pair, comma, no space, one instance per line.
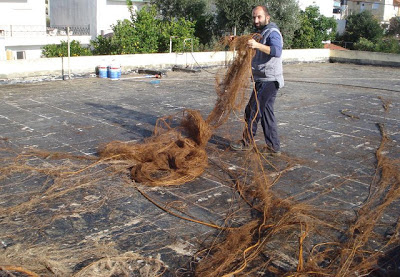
(268,77)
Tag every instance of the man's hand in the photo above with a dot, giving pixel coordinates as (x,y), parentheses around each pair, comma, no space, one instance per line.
(251,43)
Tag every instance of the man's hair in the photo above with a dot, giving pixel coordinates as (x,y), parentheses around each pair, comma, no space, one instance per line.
(265,9)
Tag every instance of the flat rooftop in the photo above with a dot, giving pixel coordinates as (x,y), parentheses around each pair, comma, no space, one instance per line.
(329,117)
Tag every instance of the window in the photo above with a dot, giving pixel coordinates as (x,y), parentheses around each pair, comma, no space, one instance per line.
(20,55)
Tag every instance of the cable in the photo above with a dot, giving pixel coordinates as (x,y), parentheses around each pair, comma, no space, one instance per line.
(202,68)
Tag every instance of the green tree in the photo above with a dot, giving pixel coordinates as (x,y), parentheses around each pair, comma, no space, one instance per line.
(235,14)
(189,9)
(196,11)
(146,29)
(362,25)
(285,13)
(314,28)
(146,33)
(394,26)
(181,32)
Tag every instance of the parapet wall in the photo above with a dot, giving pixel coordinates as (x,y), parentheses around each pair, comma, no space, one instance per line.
(10,69)
(365,58)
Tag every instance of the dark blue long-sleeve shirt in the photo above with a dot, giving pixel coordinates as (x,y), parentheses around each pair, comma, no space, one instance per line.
(275,42)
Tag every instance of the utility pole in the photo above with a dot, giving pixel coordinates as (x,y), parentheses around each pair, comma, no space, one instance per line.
(69,54)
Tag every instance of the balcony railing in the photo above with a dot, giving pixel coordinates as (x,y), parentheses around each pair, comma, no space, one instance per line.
(40,30)
(22,30)
(74,30)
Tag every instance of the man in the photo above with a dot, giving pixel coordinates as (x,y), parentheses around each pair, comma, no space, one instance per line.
(268,76)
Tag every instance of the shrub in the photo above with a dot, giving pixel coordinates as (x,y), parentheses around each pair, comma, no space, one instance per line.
(102,46)
(61,50)
(387,45)
(364,45)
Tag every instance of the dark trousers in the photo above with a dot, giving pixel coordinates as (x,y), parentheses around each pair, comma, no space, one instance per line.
(261,106)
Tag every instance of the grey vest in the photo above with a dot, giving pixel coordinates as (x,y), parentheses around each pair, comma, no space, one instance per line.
(266,68)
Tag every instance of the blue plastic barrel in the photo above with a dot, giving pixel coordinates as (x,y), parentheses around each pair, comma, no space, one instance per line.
(102,71)
(114,72)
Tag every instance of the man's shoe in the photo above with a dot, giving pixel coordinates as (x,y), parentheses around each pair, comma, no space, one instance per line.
(267,151)
(241,145)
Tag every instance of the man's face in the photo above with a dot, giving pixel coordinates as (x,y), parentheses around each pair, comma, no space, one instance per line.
(259,18)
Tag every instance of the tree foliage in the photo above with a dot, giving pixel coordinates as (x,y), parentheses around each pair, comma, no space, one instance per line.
(285,13)
(394,26)
(314,29)
(146,29)
(146,33)
(387,45)
(362,25)
(196,11)
(238,13)
(181,32)
(61,50)
(188,9)
(235,13)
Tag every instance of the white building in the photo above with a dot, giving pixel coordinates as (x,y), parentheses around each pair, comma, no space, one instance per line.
(325,6)
(383,10)
(23,31)
(20,21)
(97,15)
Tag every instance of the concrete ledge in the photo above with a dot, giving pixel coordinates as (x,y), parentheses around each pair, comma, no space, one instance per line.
(365,58)
(305,55)
(87,65)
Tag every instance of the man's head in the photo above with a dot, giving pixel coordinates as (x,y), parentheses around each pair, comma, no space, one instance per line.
(261,17)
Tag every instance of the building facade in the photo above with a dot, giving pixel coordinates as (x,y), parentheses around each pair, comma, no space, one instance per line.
(96,15)
(23,30)
(21,23)
(383,10)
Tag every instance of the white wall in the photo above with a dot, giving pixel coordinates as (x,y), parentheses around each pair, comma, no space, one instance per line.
(23,12)
(86,65)
(389,11)
(108,14)
(2,49)
(23,21)
(325,6)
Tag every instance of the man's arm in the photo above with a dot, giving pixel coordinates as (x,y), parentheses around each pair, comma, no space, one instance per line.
(274,49)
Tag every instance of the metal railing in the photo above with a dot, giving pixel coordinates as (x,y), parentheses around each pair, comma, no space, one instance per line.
(74,30)
(22,30)
(41,30)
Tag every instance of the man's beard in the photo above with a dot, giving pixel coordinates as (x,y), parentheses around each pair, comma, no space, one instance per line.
(262,25)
